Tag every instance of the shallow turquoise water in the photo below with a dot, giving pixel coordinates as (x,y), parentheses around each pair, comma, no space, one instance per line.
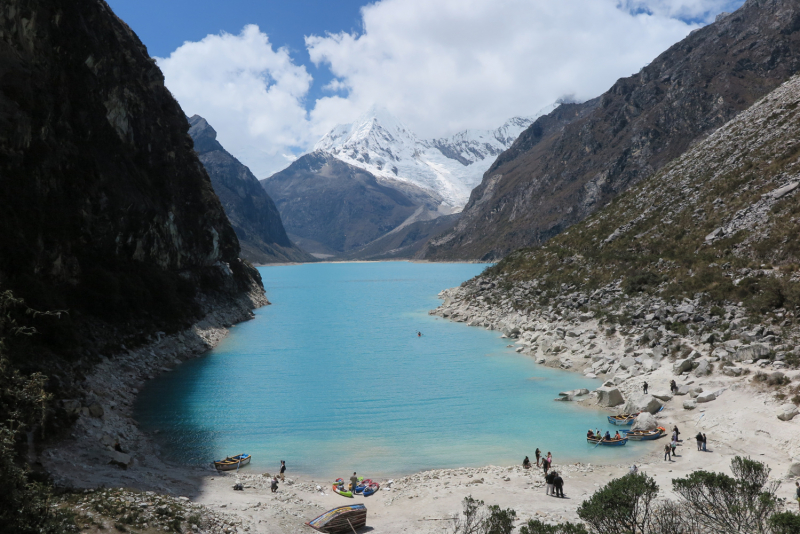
(332,378)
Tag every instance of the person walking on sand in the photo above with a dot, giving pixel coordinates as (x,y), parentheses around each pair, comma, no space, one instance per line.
(283,470)
(353,482)
(699,438)
(644,387)
(549,480)
(677,433)
(674,445)
(797,492)
(704,443)
(558,484)
(667,450)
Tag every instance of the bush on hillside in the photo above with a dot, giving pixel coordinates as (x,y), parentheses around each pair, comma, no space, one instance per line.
(623,505)
(476,518)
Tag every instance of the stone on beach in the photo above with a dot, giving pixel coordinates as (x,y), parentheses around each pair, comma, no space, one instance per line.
(645,421)
(689,404)
(706,396)
(609,396)
(787,412)
(642,403)
(664,397)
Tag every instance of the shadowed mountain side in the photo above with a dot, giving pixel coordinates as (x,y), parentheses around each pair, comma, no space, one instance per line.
(405,241)
(549,180)
(332,208)
(106,210)
(253,215)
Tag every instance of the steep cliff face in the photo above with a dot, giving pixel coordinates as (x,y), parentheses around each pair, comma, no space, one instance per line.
(548,181)
(106,210)
(253,215)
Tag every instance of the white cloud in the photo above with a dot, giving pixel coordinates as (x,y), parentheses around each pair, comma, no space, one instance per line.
(251,94)
(438,65)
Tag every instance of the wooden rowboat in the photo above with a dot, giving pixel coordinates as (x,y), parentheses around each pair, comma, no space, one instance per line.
(232,462)
(342,519)
(622,419)
(645,435)
(607,443)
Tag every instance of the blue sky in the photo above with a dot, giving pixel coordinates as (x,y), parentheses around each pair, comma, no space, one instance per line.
(164,25)
(439,66)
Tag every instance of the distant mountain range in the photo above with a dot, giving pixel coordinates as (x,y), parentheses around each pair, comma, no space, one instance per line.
(451,166)
(251,211)
(373,189)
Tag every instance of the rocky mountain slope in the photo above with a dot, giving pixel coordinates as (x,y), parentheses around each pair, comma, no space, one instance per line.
(107,212)
(382,145)
(699,263)
(552,178)
(253,215)
(332,208)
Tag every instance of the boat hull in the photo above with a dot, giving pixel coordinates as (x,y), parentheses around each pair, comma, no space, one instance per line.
(611,443)
(232,463)
(646,436)
(341,519)
(622,419)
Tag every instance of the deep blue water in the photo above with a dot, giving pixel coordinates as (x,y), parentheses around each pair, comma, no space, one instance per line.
(333,378)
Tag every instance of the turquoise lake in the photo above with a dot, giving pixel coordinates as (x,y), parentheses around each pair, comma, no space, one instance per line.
(333,378)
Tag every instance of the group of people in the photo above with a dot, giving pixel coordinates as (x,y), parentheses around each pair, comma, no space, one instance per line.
(597,435)
(273,485)
(555,484)
(701,441)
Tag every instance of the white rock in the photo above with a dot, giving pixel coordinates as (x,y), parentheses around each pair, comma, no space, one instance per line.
(707,396)
(609,396)
(664,397)
(689,404)
(642,403)
(794,468)
(787,412)
(644,421)
(732,371)
(703,368)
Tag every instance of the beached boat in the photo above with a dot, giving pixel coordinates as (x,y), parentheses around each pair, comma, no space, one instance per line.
(342,519)
(622,419)
(371,488)
(607,442)
(232,462)
(645,435)
(338,487)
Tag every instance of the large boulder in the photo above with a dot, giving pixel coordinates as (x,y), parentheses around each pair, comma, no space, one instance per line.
(649,364)
(642,403)
(794,468)
(751,352)
(609,396)
(95,410)
(644,421)
(703,368)
(706,396)
(681,366)
(120,459)
(627,362)
(686,390)
(689,404)
(732,370)
(787,412)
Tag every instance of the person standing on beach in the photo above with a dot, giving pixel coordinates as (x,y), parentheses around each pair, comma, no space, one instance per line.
(545,465)
(558,484)
(699,438)
(538,457)
(667,450)
(644,387)
(673,387)
(677,433)
(549,459)
(549,480)
(283,470)
(704,443)
(353,482)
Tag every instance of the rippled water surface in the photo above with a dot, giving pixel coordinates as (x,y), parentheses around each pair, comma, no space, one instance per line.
(333,378)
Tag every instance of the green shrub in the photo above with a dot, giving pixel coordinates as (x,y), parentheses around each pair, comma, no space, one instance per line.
(622,505)
(534,526)
(785,523)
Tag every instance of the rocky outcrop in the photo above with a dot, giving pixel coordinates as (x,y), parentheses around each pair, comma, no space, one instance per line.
(253,215)
(574,161)
(107,212)
(333,209)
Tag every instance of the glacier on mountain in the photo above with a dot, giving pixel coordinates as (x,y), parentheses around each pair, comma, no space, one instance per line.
(451,166)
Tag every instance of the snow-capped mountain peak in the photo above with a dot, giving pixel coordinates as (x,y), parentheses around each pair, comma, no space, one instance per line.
(452,166)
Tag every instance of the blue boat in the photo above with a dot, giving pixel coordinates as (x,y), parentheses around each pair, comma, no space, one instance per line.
(622,419)
(607,442)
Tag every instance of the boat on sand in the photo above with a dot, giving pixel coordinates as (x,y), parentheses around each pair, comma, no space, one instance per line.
(338,487)
(232,462)
(645,435)
(342,519)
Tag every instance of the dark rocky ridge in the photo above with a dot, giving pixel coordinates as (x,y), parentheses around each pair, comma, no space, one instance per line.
(551,179)
(107,211)
(332,208)
(252,213)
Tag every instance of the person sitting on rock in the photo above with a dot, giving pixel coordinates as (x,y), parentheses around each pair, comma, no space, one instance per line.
(526,463)
(274,484)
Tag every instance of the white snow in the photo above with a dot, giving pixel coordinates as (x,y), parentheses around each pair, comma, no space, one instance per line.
(379,143)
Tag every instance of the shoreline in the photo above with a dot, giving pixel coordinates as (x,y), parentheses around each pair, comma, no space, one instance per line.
(418,501)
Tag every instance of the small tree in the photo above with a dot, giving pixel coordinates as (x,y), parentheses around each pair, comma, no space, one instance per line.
(476,519)
(739,504)
(534,526)
(785,523)
(622,506)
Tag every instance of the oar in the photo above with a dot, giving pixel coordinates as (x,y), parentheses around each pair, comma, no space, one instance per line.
(698,419)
